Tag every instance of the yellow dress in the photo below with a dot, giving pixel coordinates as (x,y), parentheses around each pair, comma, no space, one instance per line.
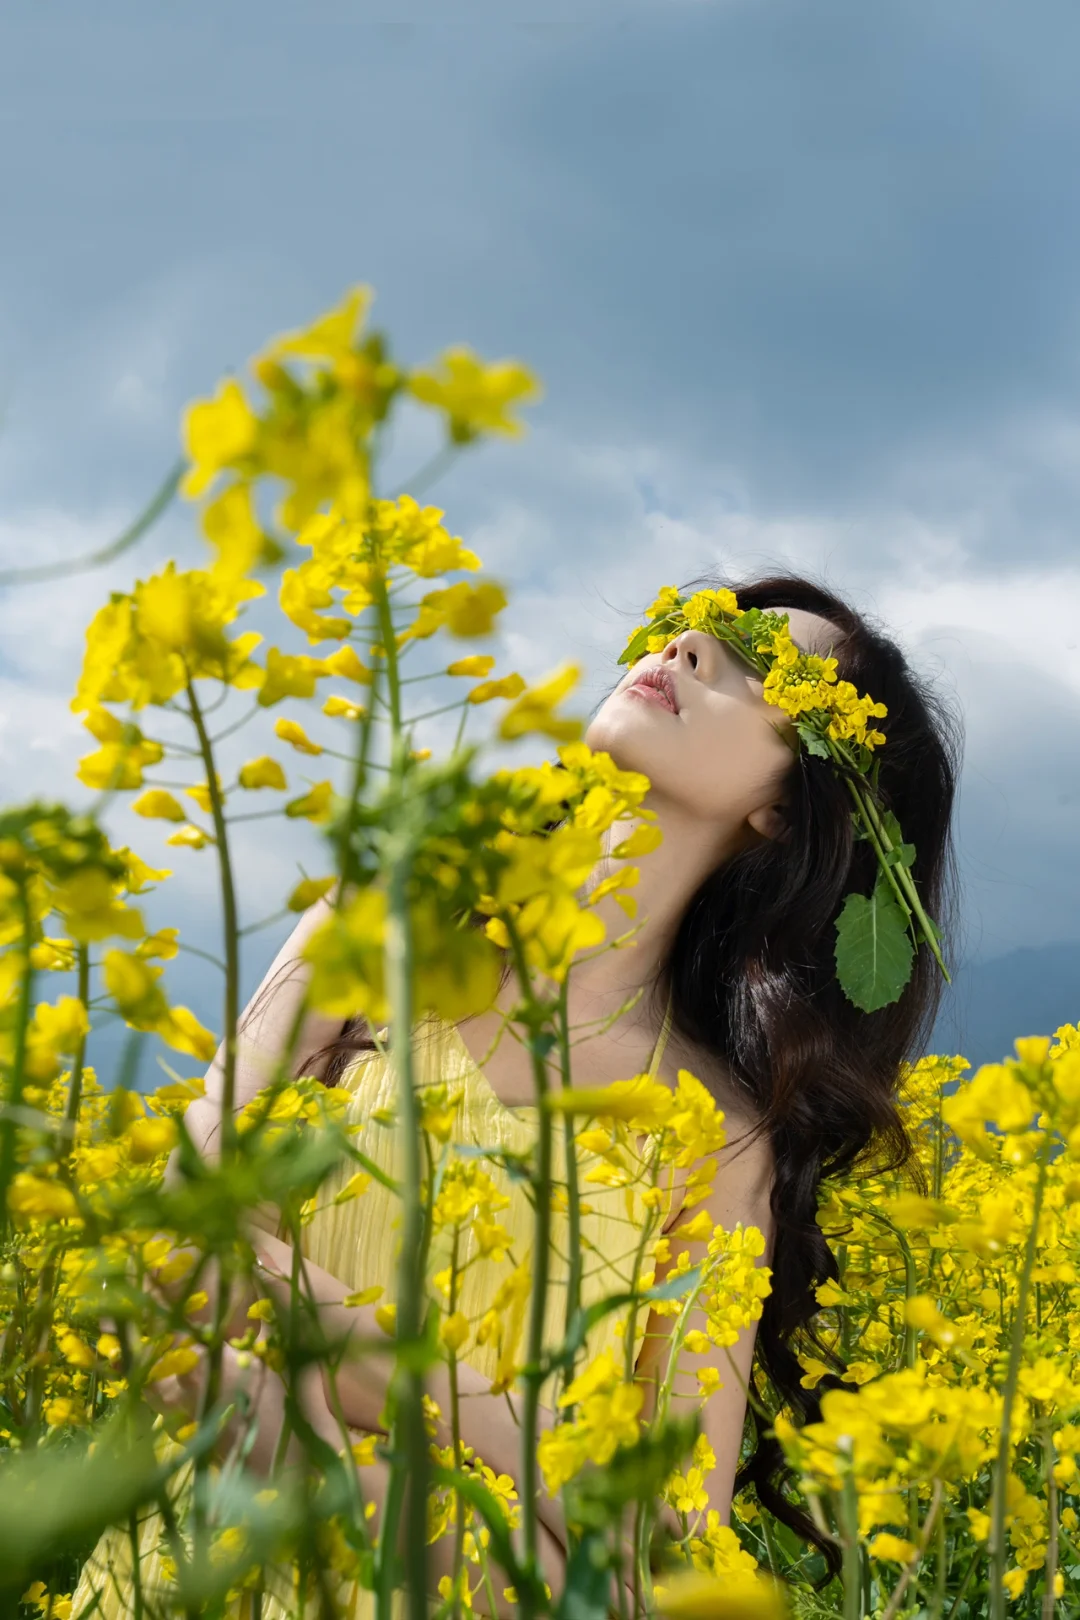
(357,1242)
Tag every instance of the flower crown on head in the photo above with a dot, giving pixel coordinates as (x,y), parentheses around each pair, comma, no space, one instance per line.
(878,934)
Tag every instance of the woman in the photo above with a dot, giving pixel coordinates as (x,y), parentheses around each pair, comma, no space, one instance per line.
(738,907)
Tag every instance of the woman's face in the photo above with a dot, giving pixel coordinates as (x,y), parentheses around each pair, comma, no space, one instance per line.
(694,720)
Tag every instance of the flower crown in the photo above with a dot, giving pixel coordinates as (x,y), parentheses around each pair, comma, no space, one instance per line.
(877,935)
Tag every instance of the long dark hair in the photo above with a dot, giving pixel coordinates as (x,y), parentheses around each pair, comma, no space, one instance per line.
(753,983)
(753,980)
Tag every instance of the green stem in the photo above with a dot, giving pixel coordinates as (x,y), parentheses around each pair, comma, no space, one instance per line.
(899,876)
(532,1375)
(407,1488)
(13,1100)
(230,926)
(390,662)
(911,1281)
(410,1460)
(573,1191)
(96,559)
(997,1549)
(231,1013)
(137,1606)
(455,1436)
(71,1113)
(879,838)
(432,469)
(851,1573)
(911,1568)
(941,1574)
(1049,1602)
(356,788)
(961,1592)
(644,1239)
(645,1516)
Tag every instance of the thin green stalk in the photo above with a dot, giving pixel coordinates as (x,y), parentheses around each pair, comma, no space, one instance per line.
(71,1113)
(643,1519)
(407,1488)
(911,1283)
(961,1591)
(460,733)
(1049,1602)
(410,1461)
(356,787)
(230,926)
(851,1573)
(13,1100)
(96,559)
(939,1147)
(770,1547)
(573,1191)
(390,664)
(301,1295)
(432,469)
(941,1574)
(880,840)
(231,1014)
(37,1338)
(997,1547)
(575,1263)
(644,1239)
(485,1572)
(933,1518)
(541,1261)
(899,876)
(455,1437)
(137,1607)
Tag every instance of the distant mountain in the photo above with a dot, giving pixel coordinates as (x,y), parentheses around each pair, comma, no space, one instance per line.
(1026,992)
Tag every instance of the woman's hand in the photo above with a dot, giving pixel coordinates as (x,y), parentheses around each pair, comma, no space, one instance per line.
(259,1395)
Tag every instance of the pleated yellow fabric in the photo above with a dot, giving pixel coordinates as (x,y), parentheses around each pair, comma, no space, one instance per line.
(357,1242)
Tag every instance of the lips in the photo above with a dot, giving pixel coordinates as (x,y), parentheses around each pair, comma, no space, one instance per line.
(656,685)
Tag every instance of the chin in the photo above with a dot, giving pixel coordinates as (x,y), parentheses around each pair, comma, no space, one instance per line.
(627,743)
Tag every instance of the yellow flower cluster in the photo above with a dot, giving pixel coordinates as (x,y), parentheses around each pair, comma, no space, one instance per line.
(802,683)
(327,389)
(933,1282)
(608,1413)
(799,683)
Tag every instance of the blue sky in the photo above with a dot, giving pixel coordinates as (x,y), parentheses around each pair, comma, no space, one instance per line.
(801,283)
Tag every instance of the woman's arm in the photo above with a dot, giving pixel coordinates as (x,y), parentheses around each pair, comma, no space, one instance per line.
(489,1423)
(740,1195)
(265,1393)
(262,1037)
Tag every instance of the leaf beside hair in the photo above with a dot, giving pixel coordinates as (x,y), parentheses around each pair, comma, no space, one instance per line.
(874,953)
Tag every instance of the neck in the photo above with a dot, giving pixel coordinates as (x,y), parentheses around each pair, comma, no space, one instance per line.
(669,878)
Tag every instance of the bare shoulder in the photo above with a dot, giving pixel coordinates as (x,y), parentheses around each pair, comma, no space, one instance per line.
(743,1187)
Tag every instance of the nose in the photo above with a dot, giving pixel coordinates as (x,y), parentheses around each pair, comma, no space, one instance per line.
(695,648)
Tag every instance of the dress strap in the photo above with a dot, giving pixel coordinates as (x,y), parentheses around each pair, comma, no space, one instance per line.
(661,1040)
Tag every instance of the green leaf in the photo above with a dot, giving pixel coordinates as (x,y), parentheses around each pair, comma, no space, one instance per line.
(677,1286)
(873,949)
(812,740)
(635,647)
(56,1499)
(586,1594)
(901,854)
